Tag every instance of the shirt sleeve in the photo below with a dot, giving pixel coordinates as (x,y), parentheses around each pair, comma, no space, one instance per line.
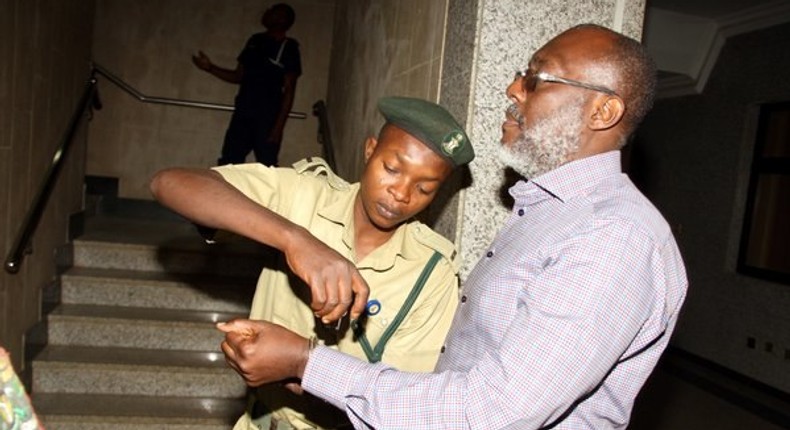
(242,57)
(574,320)
(292,59)
(270,187)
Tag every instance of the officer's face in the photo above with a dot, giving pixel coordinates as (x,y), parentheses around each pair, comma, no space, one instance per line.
(401,178)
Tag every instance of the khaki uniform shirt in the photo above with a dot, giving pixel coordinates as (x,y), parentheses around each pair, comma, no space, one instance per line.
(312,196)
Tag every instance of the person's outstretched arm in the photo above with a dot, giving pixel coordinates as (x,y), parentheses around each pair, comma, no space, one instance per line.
(204,197)
(203,62)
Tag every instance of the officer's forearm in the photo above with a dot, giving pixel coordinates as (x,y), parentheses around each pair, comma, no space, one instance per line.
(204,197)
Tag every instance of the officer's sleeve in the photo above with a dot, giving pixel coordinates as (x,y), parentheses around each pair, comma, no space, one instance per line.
(271,187)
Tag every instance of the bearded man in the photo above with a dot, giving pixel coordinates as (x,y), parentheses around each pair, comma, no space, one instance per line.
(565,316)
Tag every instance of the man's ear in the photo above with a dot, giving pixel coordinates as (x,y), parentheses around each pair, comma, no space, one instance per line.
(370,146)
(607,113)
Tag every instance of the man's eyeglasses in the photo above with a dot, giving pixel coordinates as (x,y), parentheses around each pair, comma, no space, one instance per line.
(529,80)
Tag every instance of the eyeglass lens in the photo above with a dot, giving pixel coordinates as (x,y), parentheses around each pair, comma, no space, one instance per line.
(529,80)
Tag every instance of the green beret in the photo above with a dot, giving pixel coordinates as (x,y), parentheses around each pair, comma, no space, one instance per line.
(432,125)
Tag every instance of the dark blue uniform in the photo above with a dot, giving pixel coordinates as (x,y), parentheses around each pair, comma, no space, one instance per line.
(266,61)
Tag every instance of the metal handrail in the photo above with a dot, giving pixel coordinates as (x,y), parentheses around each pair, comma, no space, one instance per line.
(90,98)
(21,244)
(168,101)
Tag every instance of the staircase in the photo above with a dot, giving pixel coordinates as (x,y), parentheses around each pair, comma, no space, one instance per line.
(131,343)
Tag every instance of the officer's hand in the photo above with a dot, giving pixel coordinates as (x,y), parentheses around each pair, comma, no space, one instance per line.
(202,61)
(263,352)
(336,286)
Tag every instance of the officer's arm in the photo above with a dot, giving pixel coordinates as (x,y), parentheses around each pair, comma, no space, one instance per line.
(204,197)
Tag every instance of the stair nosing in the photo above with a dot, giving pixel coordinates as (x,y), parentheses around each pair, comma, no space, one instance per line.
(75,406)
(113,275)
(120,356)
(145,315)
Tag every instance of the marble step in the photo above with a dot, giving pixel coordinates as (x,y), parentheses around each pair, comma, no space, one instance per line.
(96,412)
(156,258)
(125,327)
(165,246)
(112,287)
(124,371)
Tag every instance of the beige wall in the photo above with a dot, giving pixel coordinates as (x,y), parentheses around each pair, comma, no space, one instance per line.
(46,53)
(148,43)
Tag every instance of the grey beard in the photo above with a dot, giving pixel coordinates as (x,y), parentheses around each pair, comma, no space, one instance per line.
(546,145)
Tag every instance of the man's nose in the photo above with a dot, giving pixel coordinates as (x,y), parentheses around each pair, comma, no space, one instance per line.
(515,91)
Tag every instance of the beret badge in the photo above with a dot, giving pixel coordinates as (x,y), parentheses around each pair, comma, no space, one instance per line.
(452,142)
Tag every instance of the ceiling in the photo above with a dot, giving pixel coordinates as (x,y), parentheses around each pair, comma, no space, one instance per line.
(686,36)
(706,8)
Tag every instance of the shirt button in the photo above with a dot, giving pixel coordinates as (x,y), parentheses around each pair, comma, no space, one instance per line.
(490,254)
(463,299)
(521,212)
(443,348)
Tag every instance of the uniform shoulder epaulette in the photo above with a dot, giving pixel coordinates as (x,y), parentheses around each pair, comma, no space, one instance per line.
(428,237)
(318,167)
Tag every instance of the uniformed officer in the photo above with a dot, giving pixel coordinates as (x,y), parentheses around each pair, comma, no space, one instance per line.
(310,214)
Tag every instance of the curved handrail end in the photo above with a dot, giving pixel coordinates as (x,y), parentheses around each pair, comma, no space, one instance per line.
(12,266)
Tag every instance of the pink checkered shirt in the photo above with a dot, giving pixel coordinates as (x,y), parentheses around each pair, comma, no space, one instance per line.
(561,321)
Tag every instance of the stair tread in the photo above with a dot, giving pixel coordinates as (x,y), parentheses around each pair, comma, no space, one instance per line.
(130,288)
(180,235)
(160,277)
(121,311)
(47,404)
(130,356)
(141,314)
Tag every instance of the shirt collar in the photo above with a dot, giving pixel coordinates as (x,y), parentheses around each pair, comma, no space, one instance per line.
(569,180)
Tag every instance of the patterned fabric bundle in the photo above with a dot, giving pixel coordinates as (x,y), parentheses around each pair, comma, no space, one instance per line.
(16,413)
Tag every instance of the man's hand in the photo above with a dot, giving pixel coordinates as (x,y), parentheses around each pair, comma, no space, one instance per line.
(263,352)
(335,283)
(202,61)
